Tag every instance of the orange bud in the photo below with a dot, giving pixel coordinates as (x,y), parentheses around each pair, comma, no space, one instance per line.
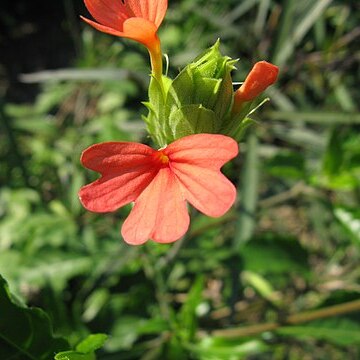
(261,76)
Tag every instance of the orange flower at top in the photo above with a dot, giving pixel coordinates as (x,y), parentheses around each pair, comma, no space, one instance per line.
(134,19)
(160,182)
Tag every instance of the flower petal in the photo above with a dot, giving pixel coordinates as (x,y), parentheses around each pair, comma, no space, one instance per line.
(109,13)
(207,190)
(103,28)
(210,151)
(112,192)
(126,168)
(160,212)
(109,156)
(152,10)
(141,30)
(137,29)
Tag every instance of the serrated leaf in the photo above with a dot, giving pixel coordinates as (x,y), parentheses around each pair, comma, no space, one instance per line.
(156,96)
(157,119)
(207,62)
(25,333)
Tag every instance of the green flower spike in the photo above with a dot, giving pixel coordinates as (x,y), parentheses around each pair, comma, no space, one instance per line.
(200,99)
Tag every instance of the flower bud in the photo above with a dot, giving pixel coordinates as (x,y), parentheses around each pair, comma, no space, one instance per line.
(196,101)
(261,76)
(201,98)
(201,95)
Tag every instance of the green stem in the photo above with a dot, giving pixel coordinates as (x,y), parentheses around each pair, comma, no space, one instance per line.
(156,62)
(295,319)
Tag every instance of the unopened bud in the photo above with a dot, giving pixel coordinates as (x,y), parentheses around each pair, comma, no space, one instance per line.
(261,76)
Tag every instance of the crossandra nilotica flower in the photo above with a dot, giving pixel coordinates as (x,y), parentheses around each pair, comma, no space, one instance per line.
(160,183)
(138,20)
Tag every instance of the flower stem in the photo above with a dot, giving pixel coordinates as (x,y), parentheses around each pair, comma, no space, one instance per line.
(156,61)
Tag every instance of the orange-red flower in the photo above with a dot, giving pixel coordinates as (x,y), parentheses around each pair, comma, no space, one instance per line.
(261,76)
(134,19)
(160,182)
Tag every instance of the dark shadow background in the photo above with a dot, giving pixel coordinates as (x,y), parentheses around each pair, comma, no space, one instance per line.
(36,35)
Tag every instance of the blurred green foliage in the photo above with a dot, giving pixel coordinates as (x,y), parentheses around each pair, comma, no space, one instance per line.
(290,245)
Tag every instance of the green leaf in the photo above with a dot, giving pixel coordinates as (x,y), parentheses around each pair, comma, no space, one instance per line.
(350,219)
(73,355)
(157,118)
(85,350)
(217,348)
(341,164)
(91,343)
(225,95)
(156,107)
(262,286)
(128,329)
(334,156)
(181,91)
(187,315)
(191,119)
(206,90)
(25,333)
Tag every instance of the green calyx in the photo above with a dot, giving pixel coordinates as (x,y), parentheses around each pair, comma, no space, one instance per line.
(198,100)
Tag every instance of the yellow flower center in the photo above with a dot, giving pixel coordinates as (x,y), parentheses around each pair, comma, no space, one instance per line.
(164,159)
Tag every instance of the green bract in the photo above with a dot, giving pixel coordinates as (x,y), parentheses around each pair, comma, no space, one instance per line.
(198,100)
